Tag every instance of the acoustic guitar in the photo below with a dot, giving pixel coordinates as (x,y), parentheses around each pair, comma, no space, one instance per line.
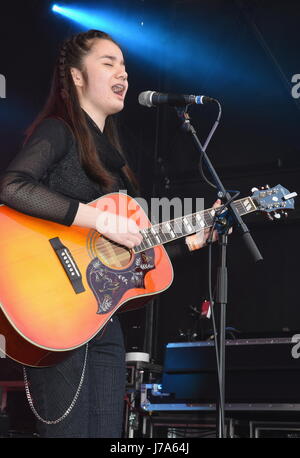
(60,285)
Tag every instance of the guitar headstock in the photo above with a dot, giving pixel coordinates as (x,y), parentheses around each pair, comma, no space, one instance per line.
(275,202)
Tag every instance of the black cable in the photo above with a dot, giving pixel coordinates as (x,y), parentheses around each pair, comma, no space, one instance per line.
(211,299)
(215,333)
(212,131)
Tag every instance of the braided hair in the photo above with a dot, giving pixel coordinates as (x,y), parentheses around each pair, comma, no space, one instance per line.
(63,103)
(71,54)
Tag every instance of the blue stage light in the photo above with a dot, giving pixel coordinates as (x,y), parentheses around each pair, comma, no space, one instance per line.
(129,29)
(86,18)
(190,53)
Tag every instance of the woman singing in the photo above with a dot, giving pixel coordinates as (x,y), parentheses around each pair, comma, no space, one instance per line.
(71,157)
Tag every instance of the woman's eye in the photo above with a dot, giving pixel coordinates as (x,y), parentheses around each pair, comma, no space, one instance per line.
(110,65)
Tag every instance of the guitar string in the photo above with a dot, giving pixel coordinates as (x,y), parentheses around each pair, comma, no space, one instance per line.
(107,247)
(118,250)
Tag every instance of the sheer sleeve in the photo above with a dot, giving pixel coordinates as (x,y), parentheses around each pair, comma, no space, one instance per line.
(22,184)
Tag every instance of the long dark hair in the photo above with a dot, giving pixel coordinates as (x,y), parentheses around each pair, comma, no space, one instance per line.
(63,103)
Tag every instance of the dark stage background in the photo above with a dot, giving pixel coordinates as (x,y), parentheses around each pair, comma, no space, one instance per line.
(245,54)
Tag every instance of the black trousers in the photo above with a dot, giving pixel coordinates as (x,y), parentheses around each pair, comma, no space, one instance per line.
(98,411)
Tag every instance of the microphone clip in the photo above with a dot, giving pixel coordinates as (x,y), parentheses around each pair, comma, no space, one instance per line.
(184,116)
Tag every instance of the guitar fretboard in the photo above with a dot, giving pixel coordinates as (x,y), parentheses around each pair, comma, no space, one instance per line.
(165,232)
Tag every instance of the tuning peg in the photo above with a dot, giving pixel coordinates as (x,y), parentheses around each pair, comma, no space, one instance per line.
(291,195)
(283,214)
(277,215)
(254,189)
(263,188)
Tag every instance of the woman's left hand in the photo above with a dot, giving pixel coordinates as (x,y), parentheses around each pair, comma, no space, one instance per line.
(198,240)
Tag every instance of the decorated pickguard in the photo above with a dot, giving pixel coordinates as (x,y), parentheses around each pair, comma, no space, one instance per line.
(109,285)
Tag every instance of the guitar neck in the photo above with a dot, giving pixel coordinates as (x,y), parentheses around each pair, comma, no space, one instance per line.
(162,233)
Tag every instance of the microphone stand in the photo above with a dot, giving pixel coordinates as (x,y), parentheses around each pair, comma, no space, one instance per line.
(222,225)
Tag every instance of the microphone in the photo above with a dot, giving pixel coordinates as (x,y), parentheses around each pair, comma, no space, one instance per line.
(152,99)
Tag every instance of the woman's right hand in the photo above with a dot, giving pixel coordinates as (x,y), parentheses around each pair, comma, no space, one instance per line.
(119,229)
(115,227)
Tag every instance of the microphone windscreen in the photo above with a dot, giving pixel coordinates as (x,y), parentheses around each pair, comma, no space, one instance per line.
(145,98)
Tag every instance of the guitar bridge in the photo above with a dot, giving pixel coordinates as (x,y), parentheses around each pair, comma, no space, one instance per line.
(69,264)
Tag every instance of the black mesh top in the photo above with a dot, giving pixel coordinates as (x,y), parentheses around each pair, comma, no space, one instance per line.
(46,178)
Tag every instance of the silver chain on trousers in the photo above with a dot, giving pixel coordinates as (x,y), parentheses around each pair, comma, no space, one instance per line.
(58,420)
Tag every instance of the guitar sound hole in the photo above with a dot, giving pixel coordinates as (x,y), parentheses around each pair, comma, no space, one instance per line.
(111,254)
